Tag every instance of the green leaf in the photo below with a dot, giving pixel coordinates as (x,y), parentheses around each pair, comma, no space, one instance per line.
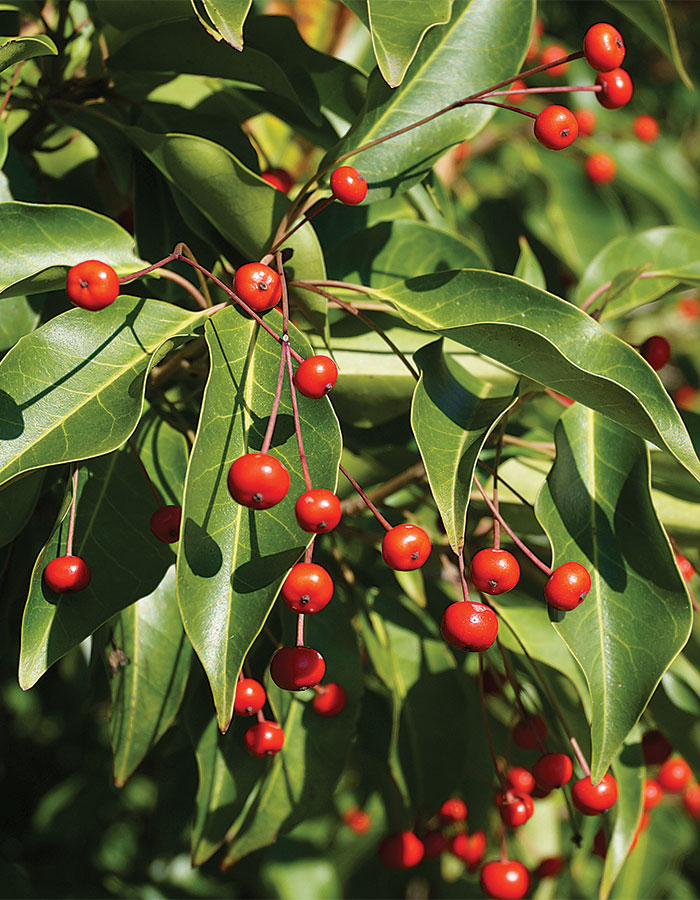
(87,396)
(15,49)
(18,499)
(54,238)
(397,31)
(226,17)
(232,560)
(17,317)
(549,341)
(3,143)
(629,773)
(528,267)
(680,727)
(596,509)
(452,416)
(489,39)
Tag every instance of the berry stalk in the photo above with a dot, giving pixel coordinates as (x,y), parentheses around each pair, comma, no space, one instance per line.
(365,499)
(487,728)
(73,508)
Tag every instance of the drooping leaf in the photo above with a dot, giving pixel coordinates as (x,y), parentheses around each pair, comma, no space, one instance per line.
(18,499)
(225,19)
(15,49)
(628,771)
(18,316)
(528,267)
(596,509)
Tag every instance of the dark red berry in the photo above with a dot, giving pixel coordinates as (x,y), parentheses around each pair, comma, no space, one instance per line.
(469,626)
(568,585)
(505,879)
(646,128)
(515,810)
(453,810)
(603,47)
(470,848)
(258,285)
(318,511)
(406,547)
(348,186)
(297,668)
(358,820)
(258,480)
(67,575)
(600,843)
(92,284)
(655,748)
(264,739)
(527,732)
(280,179)
(435,843)
(691,800)
(653,794)
(593,799)
(549,867)
(316,376)
(617,89)
(307,589)
(520,780)
(601,168)
(401,851)
(674,775)
(165,523)
(549,55)
(330,700)
(250,697)
(556,127)
(656,350)
(494,571)
(553,770)
(586,119)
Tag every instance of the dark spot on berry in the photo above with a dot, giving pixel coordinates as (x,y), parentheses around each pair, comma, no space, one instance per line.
(257,497)
(287,254)
(493,583)
(83,283)
(565,132)
(269,753)
(618,42)
(327,388)
(414,555)
(582,598)
(249,710)
(322,524)
(304,599)
(173,534)
(262,286)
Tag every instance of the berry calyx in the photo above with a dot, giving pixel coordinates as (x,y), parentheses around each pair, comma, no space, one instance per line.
(357,820)
(258,480)
(603,47)
(527,732)
(549,54)
(435,844)
(505,879)
(401,851)
(593,799)
(92,284)
(469,626)
(307,589)
(520,780)
(297,668)
(250,697)
(617,89)
(601,168)
(317,511)
(646,128)
(494,571)
(165,523)
(280,179)
(405,547)
(316,376)
(655,748)
(556,127)
(656,350)
(258,285)
(586,119)
(653,794)
(348,186)
(515,810)
(470,848)
(674,775)
(330,700)
(264,738)
(549,867)
(453,810)
(691,800)
(67,575)
(568,586)
(553,770)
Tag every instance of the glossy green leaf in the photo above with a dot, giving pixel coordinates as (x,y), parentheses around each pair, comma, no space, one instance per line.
(88,395)
(489,38)
(549,341)
(15,49)
(226,18)
(18,499)
(596,509)
(54,238)
(397,31)
(18,316)
(452,416)
(629,773)
(3,144)
(528,267)
(232,560)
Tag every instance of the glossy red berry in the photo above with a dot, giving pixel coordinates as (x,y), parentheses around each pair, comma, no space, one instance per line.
(653,794)
(401,851)
(307,589)
(469,626)
(549,867)
(406,547)
(67,575)
(280,179)
(655,748)
(250,697)
(453,810)
(316,376)
(494,571)
(686,567)
(601,168)
(165,523)
(349,187)
(264,738)
(586,119)
(92,284)
(435,844)
(358,820)
(592,799)
(603,47)
(691,800)
(515,810)
(297,668)
(505,879)
(318,511)
(258,480)
(568,585)
(549,54)
(520,780)
(674,775)
(656,350)
(617,89)
(556,127)
(553,770)
(258,285)
(530,733)
(330,700)
(470,848)
(646,128)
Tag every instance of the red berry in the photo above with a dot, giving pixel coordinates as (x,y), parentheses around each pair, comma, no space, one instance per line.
(540,792)
(357,820)
(307,589)
(67,574)
(330,700)
(549,54)
(506,879)
(515,811)
(600,843)
(592,799)
(534,48)
(514,95)
(401,851)
(316,376)
(686,567)
(453,810)
(601,168)
(494,571)
(527,732)
(405,547)
(655,748)
(470,848)
(617,89)
(435,844)
(258,285)
(674,775)
(297,668)
(469,626)
(521,780)
(264,738)
(586,119)
(318,511)
(656,350)
(689,308)
(280,179)
(92,284)
(691,800)
(567,586)
(556,127)
(165,523)
(603,47)
(349,187)
(258,480)
(653,794)
(250,697)
(646,128)
(553,770)
(685,397)
(550,867)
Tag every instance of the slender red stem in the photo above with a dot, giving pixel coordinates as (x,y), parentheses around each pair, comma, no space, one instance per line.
(516,109)
(345,285)
(297,422)
(269,431)
(579,756)
(307,218)
(260,716)
(487,727)
(300,630)
(145,472)
(562,89)
(309,552)
(463,577)
(13,82)
(368,503)
(73,508)
(510,674)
